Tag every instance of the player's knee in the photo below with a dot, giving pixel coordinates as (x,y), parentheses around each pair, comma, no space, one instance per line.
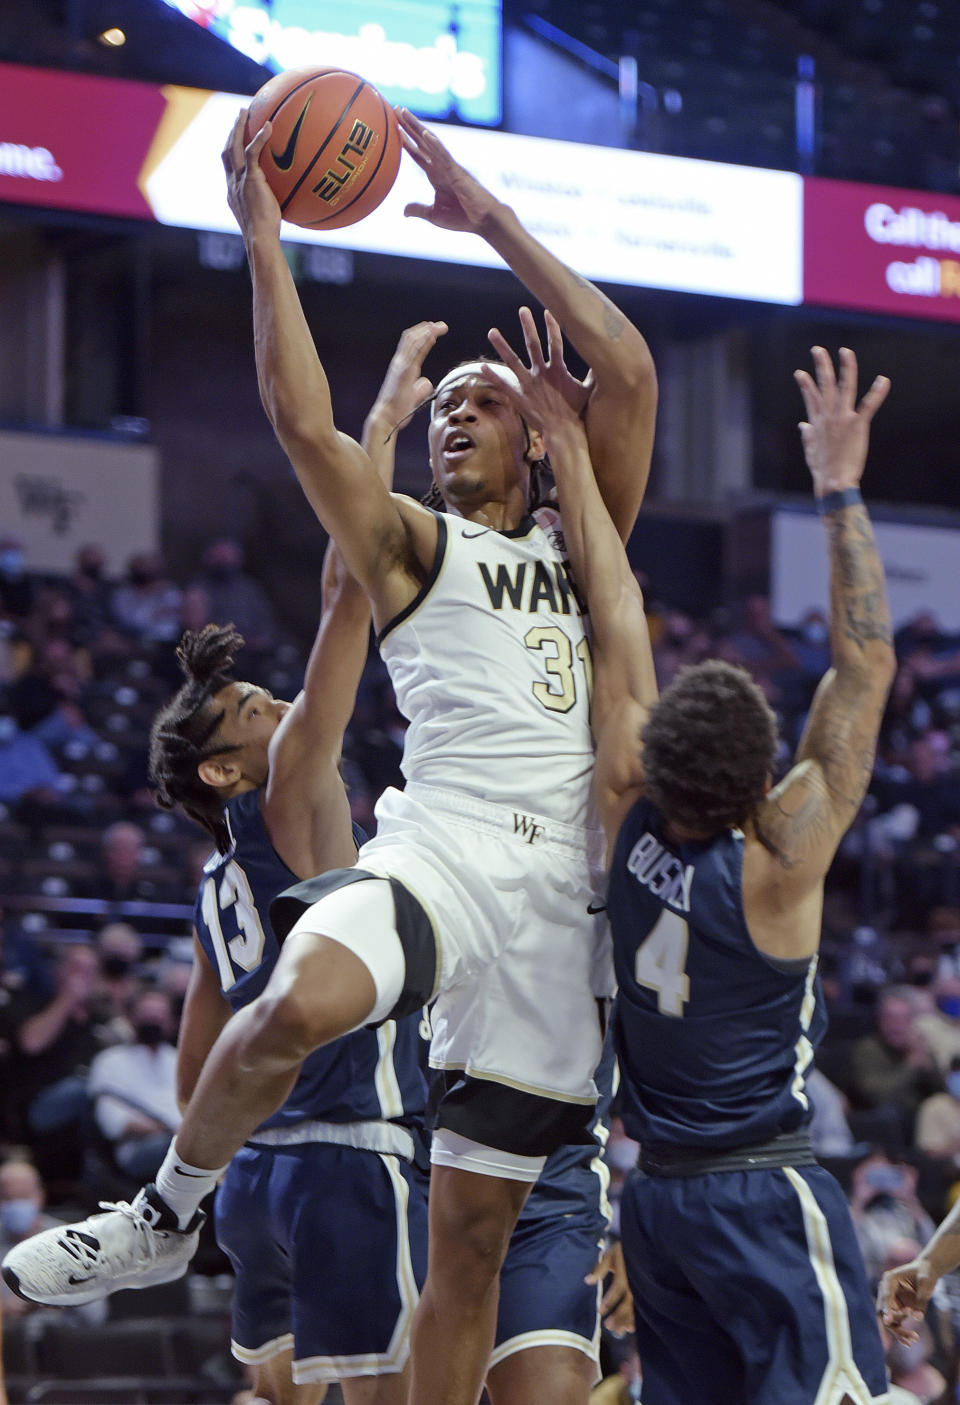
(473,1240)
(288,1024)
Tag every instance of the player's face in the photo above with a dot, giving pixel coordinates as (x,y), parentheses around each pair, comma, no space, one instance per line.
(477,441)
(251,715)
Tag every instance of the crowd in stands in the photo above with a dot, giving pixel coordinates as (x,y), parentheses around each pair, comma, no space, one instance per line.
(97,886)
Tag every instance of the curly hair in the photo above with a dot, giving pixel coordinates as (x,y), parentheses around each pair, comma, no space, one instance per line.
(708,748)
(184,730)
(542,482)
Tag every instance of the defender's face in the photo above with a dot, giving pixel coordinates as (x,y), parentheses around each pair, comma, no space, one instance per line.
(477,441)
(251,715)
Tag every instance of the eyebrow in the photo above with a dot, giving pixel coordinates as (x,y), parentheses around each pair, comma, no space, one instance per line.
(245,698)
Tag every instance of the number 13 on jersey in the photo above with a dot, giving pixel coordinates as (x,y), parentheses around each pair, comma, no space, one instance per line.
(233,900)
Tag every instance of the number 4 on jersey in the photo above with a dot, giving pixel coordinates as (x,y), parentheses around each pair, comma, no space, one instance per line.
(660,961)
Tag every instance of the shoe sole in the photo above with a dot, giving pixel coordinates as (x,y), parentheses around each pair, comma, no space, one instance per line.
(97,1290)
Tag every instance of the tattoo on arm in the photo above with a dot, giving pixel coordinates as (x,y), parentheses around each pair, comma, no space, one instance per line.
(613,321)
(860,612)
(794,823)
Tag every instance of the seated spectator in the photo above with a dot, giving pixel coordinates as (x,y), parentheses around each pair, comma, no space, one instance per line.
(811,646)
(830,1133)
(124,876)
(147,604)
(943,931)
(16,586)
(28,772)
(22,1214)
(133,1088)
(680,643)
(885,1210)
(224,591)
(89,594)
(940,1029)
(925,783)
(120,949)
(926,648)
(938,1121)
(893,1067)
(760,646)
(53,1041)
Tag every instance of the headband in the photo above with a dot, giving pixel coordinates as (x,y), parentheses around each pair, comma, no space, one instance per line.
(475,368)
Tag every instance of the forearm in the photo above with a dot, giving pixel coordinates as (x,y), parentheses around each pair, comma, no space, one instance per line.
(603,336)
(293,385)
(596,552)
(942,1252)
(623,662)
(40,1031)
(340,589)
(861,638)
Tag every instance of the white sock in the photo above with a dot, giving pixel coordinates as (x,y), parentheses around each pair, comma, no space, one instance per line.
(182,1186)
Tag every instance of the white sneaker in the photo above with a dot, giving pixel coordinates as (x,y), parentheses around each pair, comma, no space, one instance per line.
(131,1246)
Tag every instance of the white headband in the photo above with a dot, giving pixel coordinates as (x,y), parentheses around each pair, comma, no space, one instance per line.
(475,368)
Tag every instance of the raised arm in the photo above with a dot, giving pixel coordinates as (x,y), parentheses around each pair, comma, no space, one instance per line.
(305,807)
(801,822)
(380,547)
(622,406)
(624,681)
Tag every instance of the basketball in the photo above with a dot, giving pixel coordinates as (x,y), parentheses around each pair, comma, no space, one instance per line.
(335,148)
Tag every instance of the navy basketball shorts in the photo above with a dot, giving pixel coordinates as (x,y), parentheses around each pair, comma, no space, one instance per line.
(329,1248)
(543,1298)
(749,1289)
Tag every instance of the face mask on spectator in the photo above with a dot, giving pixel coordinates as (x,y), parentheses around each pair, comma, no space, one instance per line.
(17,1216)
(115,967)
(949,1005)
(150,1033)
(952,1081)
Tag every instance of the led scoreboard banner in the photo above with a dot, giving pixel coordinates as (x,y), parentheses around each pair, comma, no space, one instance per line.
(135,150)
(437,57)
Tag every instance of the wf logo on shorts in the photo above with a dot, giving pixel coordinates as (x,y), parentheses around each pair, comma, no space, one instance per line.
(527,826)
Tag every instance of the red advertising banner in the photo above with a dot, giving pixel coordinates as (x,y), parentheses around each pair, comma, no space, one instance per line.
(881,249)
(74,142)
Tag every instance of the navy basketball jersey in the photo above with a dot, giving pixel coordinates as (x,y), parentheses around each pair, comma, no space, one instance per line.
(713,1037)
(372,1073)
(575,1179)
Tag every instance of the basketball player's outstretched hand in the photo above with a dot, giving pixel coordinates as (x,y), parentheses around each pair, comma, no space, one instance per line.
(549,395)
(248,195)
(903,1296)
(404,386)
(836,431)
(460,202)
(616,1305)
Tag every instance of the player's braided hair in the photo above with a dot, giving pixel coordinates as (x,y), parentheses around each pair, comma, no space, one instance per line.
(709,747)
(184,730)
(542,484)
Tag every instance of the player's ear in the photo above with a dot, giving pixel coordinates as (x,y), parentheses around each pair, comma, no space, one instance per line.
(536,449)
(218,771)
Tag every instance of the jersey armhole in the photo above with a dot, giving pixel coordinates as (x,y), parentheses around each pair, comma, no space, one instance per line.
(425,589)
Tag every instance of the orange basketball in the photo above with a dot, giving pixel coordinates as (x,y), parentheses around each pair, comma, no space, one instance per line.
(334,151)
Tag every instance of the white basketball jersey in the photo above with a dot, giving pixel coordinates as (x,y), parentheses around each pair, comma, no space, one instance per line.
(491,666)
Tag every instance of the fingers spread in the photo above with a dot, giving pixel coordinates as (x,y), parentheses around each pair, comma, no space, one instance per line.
(874,397)
(531,339)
